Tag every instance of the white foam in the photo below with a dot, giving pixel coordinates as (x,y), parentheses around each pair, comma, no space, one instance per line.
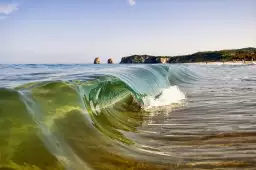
(228,63)
(171,95)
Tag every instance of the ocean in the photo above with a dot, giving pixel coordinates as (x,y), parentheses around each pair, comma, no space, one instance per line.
(108,117)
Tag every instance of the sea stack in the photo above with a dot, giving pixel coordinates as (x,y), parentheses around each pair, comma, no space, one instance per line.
(97,60)
(110,61)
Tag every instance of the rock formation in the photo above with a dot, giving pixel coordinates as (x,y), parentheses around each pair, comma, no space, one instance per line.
(244,54)
(97,60)
(110,61)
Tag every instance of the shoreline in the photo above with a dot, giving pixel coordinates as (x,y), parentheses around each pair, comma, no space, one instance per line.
(205,63)
(227,63)
(233,56)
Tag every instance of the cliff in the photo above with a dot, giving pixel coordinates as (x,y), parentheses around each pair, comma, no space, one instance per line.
(244,54)
(144,59)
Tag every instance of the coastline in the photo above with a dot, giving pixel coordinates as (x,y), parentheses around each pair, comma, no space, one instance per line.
(233,56)
(227,63)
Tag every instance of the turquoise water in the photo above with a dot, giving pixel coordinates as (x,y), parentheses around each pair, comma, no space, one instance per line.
(180,116)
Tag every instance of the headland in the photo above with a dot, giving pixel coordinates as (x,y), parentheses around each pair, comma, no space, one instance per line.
(243,55)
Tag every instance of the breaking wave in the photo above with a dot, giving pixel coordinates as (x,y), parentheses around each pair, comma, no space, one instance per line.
(81,117)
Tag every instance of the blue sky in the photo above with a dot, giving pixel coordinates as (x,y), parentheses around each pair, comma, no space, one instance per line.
(77,31)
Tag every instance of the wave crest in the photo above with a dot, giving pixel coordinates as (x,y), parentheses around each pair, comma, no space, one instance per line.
(77,120)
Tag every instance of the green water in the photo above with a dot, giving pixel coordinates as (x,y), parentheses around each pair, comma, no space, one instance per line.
(103,121)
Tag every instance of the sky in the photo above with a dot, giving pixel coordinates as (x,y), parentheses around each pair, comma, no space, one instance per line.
(77,31)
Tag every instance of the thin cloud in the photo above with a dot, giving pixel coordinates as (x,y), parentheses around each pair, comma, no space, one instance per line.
(7,9)
(3,17)
(132,2)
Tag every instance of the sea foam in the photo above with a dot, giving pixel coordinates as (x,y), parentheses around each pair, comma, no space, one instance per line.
(171,95)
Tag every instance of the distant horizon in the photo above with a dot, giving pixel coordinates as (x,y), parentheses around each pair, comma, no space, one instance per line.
(115,61)
(78,31)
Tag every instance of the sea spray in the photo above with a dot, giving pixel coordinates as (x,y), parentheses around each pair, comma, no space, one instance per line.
(172,95)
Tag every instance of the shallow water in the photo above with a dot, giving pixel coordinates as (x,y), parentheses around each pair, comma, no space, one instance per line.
(182,116)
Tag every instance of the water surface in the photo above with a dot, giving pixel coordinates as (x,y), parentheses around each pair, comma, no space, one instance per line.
(182,116)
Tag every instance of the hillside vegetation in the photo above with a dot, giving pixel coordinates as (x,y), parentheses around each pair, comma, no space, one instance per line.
(244,54)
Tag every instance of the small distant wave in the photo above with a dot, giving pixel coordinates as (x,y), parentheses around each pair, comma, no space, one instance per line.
(248,79)
(227,63)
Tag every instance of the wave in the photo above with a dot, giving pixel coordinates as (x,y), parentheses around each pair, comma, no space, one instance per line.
(79,119)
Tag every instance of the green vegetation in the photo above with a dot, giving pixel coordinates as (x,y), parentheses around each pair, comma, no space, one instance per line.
(244,54)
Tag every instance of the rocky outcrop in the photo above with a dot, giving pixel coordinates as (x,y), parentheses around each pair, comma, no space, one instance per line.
(110,61)
(137,59)
(97,60)
(244,54)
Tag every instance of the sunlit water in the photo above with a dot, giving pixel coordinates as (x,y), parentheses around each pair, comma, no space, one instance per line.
(183,116)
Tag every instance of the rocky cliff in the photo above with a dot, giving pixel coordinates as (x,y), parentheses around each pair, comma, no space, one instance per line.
(244,54)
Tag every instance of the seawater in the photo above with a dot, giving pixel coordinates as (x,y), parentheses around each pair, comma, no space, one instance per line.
(180,116)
